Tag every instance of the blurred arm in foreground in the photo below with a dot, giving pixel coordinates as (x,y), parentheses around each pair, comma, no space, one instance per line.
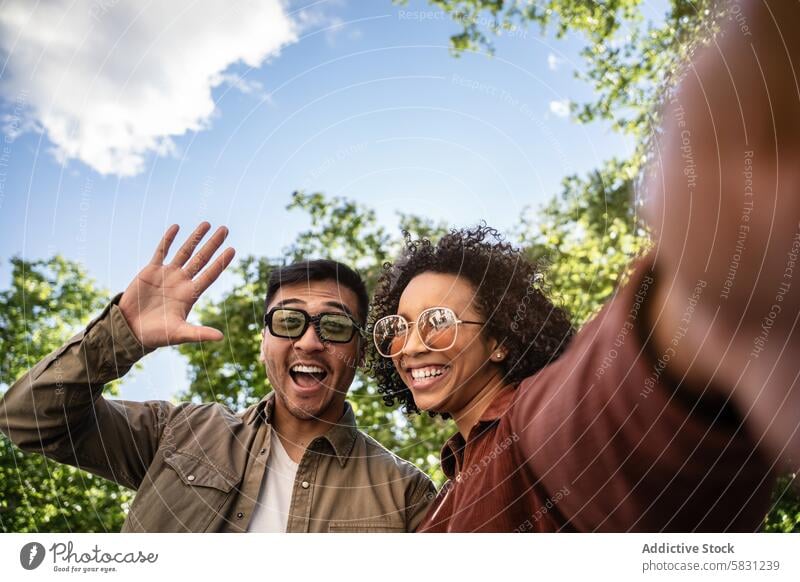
(723,204)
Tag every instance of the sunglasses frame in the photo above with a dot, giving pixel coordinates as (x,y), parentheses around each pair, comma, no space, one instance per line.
(311,319)
(416,323)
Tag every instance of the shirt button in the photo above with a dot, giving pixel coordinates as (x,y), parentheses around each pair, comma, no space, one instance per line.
(190,478)
(305,484)
(240,515)
(262,451)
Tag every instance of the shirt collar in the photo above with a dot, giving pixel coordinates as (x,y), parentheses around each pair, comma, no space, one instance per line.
(452,454)
(341,436)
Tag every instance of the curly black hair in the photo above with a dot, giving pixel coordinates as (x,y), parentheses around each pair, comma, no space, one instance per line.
(509,294)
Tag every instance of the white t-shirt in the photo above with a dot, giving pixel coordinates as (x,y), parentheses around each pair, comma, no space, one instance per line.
(272,509)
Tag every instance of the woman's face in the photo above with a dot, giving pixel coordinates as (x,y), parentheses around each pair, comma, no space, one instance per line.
(446,381)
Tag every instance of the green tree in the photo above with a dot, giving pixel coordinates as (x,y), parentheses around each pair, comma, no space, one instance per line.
(784,515)
(588,236)
(627,60)
(47,302)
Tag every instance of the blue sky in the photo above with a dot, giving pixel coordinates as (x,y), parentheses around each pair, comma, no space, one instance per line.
(364,101)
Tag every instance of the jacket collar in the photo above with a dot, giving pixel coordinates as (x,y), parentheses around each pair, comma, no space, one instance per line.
(452,454)
(341,436)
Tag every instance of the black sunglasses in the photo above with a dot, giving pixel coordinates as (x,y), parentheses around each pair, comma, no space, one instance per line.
(288,323)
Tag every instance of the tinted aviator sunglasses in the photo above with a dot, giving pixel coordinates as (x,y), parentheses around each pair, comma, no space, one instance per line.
(437,328)
(291,323)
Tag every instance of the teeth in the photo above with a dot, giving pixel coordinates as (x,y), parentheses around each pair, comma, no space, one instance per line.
(429,372)
(307,369)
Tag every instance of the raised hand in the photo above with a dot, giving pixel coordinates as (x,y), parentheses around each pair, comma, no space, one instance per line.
(157,302)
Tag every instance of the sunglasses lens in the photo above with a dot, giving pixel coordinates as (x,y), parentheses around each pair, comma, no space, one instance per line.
(389,335)
(437,328)
(336,328)
(287,323)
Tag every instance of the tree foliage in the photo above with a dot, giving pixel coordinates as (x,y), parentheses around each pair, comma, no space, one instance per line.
(627,59)
(588,235)
(784,515)
(47,302)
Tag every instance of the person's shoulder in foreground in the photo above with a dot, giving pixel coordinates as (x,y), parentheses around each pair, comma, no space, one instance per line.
(624,444)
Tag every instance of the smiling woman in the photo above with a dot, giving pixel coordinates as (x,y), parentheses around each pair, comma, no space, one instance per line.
(479,296)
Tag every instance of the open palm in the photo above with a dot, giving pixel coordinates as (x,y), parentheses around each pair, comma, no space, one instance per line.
(158,301)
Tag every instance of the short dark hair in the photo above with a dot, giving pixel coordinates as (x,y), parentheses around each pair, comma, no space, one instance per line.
(510,294)
(320,270)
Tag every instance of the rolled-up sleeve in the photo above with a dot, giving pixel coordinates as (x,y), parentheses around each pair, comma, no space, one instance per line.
(57,408)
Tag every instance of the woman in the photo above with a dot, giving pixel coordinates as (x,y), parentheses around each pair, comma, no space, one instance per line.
(599,436)
(484,324)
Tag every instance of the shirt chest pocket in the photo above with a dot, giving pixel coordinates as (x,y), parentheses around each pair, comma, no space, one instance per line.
(188,494)
(196,472)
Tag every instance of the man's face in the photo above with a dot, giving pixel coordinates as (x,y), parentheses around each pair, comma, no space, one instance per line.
(311,377)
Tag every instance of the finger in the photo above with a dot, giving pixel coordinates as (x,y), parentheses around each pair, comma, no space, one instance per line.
(214,270)
(201,257)
(197,333)
(163,246)
(191,243)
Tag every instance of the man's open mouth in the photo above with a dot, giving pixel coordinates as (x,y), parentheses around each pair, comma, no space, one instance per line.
(307,375)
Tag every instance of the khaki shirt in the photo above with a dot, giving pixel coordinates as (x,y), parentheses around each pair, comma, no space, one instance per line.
(199,467)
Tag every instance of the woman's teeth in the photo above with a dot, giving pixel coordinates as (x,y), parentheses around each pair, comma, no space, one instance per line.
(428,372)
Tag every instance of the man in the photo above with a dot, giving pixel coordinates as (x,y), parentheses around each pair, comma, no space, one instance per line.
(293,462)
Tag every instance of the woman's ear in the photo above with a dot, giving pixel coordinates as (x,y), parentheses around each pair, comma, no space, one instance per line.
(499,352)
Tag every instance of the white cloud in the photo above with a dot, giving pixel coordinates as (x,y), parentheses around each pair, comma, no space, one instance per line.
(560,108)
(242,84)
(111,81)
(14,124)
(332,26)
(554,61)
